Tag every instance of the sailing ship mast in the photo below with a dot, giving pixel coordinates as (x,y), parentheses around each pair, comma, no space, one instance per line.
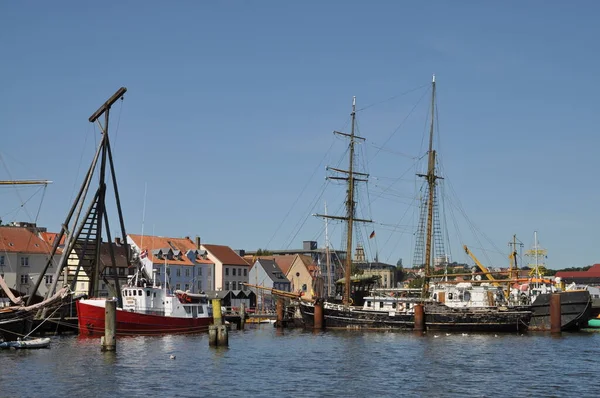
(431,179)
(350,203)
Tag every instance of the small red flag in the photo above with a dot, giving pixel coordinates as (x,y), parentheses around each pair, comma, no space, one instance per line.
(372,235)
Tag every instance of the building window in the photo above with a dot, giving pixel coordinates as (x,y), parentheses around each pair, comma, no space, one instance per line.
(187,287)
(48,279)
(1,260)
(24,261)
(178,272)
(24,279)
(245,272)
(199,285)
(226,285)
(178,287)
(226,271)
(187,272)
(233,284)
(131,271)
(233,271)
(103,286)
(121,271)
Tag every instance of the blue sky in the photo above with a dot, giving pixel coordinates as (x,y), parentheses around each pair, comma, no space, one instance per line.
(231,105)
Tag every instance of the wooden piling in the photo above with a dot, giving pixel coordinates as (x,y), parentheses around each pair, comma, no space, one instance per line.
(109,340)
(242,316)
(280,313)
(222,336)
(555,313)
(419,318)
(212,336)
(319,321)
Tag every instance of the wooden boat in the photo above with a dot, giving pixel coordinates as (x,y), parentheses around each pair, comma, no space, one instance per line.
(357,309)
(27,344)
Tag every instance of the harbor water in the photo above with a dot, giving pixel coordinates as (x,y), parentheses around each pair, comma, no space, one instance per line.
(266,362)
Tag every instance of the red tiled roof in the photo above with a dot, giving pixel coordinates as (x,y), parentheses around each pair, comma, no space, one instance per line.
(225,255)
(51,236)
(151,243)
(593,272)
(22,240)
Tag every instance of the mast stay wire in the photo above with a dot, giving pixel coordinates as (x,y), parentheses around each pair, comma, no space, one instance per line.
(301,192)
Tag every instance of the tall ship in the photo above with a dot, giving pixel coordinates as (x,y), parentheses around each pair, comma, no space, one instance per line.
(447,307)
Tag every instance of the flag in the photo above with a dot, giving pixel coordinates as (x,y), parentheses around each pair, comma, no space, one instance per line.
(372,235)
(144,253)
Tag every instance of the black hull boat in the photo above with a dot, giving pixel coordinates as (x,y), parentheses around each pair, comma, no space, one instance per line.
(576,308)
(437,317)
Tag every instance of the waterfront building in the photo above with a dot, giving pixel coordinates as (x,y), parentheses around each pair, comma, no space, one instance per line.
(230,270)
(23,256)
(180,262)
(385,272)
(301,274)
(589,277)
(268,274)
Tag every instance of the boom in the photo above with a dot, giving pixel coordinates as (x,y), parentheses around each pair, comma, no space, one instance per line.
(481,267)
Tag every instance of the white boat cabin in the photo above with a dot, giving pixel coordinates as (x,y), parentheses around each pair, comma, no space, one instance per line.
(467,295)
(156,301)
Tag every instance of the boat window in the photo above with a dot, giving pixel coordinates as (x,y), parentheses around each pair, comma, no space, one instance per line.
(381,304)
(450,295)
(368,303)
(124,292)
(200,310)
(148,293)
(187,309)
(467,296)
(140,292)
(435,296)
(393,305)
(134,293)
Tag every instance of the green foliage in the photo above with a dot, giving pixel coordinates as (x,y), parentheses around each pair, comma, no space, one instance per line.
(416,283)
(261,252)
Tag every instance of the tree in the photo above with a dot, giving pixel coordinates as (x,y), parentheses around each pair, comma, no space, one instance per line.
(416,283)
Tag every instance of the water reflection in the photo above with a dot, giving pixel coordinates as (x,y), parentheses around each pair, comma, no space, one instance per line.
(308,364)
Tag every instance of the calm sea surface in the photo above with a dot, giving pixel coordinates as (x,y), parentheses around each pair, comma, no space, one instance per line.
(262,362)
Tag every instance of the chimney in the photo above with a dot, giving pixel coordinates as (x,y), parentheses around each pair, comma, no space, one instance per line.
(187,238)
(197,242)
(118,241)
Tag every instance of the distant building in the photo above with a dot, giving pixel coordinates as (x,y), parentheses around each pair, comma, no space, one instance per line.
(177,261)
(386,272)
(589,277)
(23,256)
(267,274)
(231,270)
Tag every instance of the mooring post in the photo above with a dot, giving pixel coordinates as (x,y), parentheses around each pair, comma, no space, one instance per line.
(222,336)
(242,316)
(109,341)
(555,313)
(217,332)
(318,315)
(419,318)
(280,313)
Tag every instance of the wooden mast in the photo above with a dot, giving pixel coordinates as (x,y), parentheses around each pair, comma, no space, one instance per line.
(431,179)
(350,203)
